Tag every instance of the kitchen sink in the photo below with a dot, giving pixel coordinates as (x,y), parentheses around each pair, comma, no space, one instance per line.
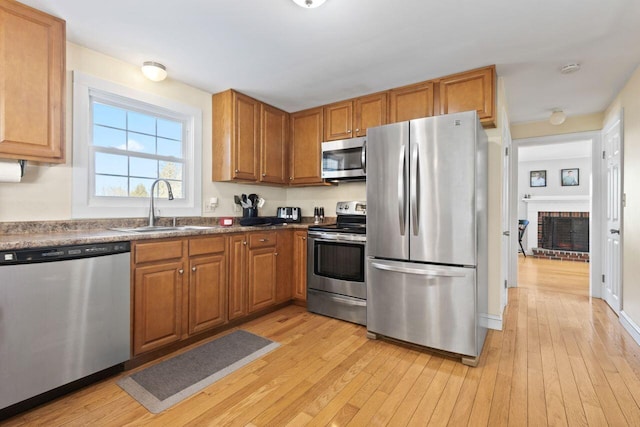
(159,229)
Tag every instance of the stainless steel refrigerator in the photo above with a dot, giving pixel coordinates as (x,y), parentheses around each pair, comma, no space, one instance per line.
(427,232)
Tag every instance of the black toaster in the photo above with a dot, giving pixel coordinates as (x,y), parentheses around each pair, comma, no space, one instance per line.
(290,214)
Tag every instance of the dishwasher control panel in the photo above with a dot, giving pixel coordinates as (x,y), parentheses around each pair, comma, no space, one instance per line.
(60,253)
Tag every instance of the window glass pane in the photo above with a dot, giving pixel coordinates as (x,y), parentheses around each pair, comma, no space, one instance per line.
(113,186)
(169,147)
(170,129)
(111,164)
(141,123)
(147,168)
(109,116)
(107,137)
(170,170)
(142,143)
(140,187)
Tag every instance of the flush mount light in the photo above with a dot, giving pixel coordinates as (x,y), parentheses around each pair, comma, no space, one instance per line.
(309,4)
(570,68)
(154,71)
(557,117)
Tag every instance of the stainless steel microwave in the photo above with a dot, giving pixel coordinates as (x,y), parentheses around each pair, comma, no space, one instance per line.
(345,160)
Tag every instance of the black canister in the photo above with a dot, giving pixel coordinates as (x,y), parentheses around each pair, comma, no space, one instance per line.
(249,212)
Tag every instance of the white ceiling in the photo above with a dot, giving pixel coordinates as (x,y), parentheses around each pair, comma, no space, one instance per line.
(564,150)
(295,58)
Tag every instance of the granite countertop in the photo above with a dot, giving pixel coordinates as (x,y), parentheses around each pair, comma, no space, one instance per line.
(77,232)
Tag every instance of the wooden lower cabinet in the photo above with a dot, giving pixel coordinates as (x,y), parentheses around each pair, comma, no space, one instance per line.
(300,265)
(207,292)
(186,286)
(157,305)
(179,289)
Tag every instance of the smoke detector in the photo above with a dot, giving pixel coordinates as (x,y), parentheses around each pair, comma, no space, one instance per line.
(570,68)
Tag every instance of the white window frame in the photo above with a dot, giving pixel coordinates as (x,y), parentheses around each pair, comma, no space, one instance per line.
(84,204)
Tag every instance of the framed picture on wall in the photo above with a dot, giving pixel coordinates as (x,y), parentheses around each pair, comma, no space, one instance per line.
(570,177)
(538,178)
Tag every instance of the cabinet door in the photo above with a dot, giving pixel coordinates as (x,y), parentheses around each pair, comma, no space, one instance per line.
(237,296)
(411,102)
(284,265)
(274,140)
(262,278)
(370,111)
(471,90)
(157,306)
(306,140)
(300,265)
(246,129)
(32,81)
(338,121)
(207,292)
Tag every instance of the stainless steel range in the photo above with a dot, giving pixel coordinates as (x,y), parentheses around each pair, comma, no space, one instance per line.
(336,285)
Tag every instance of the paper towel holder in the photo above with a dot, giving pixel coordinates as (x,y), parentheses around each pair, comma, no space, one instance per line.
(22,164)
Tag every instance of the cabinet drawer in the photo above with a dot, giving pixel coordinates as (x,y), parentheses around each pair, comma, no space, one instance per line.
(262,240)
(156,251)
(206,245)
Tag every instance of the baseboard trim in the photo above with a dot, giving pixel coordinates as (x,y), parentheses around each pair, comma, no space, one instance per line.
(491,321)
(630,326)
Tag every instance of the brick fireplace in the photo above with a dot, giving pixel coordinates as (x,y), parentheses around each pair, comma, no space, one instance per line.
(563,235)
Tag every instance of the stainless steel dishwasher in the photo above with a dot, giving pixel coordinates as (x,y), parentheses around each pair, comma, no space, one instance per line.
(64,318)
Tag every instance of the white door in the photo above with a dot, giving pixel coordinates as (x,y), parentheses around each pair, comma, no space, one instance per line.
(506,229)
(612,268)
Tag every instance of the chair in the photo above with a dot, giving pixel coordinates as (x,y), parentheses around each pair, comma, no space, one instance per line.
(522,226)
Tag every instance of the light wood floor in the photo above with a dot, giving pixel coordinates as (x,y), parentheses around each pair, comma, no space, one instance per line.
(562,359)
(552,275)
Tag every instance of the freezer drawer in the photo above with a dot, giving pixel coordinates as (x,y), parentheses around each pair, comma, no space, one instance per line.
(338,306)
(429,305)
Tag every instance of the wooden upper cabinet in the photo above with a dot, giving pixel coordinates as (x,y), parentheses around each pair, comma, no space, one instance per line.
(347,119)
(306,140)
(370,111)
(471,90)
(338,121)
(236,127)
(411,102)
(32,84)
(274,143)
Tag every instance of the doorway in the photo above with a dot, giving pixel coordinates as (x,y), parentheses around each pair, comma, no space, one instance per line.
(558,177)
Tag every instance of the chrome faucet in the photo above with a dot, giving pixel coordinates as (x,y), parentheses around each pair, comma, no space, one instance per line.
(152,211)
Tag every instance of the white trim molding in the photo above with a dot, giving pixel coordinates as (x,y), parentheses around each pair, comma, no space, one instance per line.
(491,321)
(630,326)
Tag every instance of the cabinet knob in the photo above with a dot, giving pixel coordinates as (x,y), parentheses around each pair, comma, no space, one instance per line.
(357,130)
(264,240)
(244,243)
(275,253)
(349,131)
(264,174)
(237,171)
(304,238)
(181,271)
(193,268)
(290,178)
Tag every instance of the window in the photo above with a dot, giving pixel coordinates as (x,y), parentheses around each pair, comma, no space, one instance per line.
(123,141)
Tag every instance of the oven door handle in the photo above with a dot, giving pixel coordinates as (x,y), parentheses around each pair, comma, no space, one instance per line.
(357,242)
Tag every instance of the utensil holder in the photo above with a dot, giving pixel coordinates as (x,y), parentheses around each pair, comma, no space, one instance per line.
(249,212)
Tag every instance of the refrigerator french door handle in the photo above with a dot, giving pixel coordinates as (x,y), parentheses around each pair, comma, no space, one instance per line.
(401,190)
(363,156)
(429,273)
(415,153)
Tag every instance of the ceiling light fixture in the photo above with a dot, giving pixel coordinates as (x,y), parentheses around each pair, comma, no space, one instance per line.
(557,117)
(154,71)
(570,68)
(309,4)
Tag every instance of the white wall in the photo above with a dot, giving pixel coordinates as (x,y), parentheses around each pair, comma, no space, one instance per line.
(554,187)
